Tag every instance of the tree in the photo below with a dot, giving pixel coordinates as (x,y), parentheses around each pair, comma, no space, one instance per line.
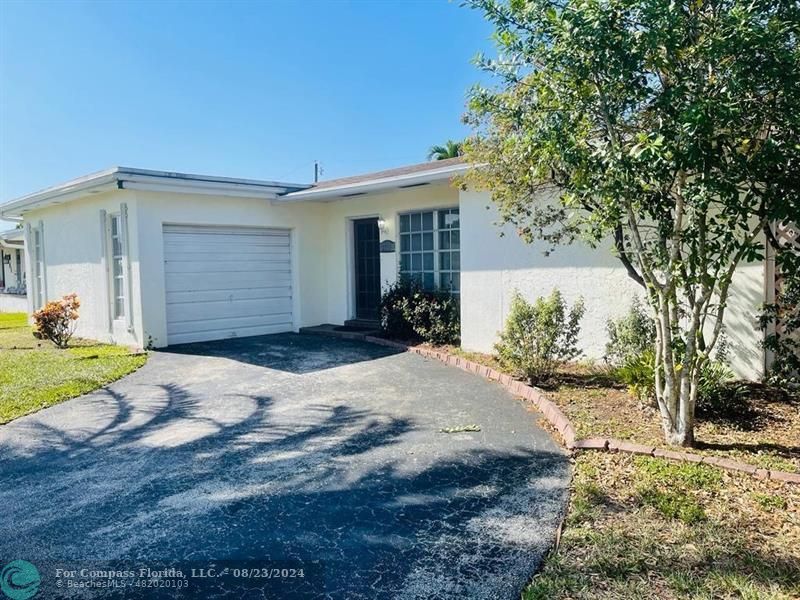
(451,149)
(671,128)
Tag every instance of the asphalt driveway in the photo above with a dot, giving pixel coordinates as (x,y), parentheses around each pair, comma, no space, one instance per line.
(317,463)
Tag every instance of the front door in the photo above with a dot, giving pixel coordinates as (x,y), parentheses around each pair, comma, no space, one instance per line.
(366,239)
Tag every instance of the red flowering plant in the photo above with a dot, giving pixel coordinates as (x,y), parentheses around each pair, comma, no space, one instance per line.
(57,320)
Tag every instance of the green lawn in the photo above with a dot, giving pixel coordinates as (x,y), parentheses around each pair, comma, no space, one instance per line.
(641,527)
(34,374)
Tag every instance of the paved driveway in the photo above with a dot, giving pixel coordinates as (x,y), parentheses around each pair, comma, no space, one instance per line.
(316,454)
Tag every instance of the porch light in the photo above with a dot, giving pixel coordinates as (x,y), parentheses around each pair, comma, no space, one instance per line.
(381,224)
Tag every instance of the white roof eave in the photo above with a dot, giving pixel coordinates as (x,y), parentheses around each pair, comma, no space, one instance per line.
(127,178)
(346,190)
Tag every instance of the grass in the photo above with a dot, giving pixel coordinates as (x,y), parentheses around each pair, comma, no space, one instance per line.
(34,374)
(639,527)
(755,424)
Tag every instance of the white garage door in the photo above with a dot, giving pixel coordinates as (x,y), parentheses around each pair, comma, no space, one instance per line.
(225,282)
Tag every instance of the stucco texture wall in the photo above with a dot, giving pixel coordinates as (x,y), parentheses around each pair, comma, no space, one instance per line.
(388,206)
(73,256)
(493,267)
(309,248)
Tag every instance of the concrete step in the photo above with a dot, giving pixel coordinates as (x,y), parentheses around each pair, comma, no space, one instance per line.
(340,331)
(363,324)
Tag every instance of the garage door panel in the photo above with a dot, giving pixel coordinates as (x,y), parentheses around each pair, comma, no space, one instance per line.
(226,334)
(232,246)
(191,282)
(216,230)
(228,266)
(183,253)
(229,323)
(220,309)
(219,240)
(224,282)
(283,291)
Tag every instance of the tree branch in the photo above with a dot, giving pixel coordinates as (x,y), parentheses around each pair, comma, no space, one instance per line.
(619,242)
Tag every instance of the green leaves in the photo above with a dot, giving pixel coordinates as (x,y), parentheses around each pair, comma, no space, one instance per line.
(674,126)
(539,336)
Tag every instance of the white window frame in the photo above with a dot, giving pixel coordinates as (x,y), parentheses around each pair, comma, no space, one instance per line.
(121,278)
(34,241)
(437,251)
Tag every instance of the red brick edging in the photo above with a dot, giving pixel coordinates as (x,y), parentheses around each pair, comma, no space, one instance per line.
(561,423)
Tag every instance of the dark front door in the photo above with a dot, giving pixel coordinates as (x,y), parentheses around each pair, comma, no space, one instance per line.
(368,268)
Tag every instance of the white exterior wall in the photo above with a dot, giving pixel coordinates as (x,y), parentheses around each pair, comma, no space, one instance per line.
(745,353)
(388,206)
(74,263)
(13,303)
(493,267)
(309,248)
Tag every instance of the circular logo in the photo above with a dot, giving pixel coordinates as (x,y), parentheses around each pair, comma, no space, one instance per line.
(20,580)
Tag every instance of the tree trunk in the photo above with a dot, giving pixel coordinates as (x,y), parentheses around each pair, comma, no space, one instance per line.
(676,376)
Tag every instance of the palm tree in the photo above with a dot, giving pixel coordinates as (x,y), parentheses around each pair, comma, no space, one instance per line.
(450,150)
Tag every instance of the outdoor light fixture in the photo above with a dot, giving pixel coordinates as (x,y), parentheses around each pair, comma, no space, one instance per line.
(381,224)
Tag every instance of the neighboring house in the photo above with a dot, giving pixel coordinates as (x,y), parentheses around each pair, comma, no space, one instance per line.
(12,272)
(162,258)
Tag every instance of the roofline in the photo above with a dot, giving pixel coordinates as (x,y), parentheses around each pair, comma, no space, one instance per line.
(10,234)
(146,179)
(376,185)
(12,239)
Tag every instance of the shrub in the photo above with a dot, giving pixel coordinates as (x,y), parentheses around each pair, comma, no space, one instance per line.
(631,335)
(638,373)
(434,317)
(57,320)
(409,312)
(393,301)
(540,336)
(711,388)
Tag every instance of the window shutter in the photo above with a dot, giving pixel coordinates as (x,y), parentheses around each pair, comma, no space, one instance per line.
(29,268)
(123,225)
(104,268)
(42,263)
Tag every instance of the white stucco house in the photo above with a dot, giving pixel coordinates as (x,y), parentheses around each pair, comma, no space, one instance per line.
(12,271)
(161,258)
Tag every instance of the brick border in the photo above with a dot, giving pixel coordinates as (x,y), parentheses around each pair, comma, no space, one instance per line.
(553,414)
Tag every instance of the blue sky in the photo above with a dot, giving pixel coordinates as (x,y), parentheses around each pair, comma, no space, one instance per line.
(243,89)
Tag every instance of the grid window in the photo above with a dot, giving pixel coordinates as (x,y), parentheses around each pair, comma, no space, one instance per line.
(429,249)
(117,272)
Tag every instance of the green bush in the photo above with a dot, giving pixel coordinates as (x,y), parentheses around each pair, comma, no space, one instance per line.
(713,377)
(638,373)
(393,301)
(540,336)
(631,335)
(408,312)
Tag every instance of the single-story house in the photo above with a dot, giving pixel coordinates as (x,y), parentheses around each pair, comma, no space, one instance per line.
(160,258)
(12,271)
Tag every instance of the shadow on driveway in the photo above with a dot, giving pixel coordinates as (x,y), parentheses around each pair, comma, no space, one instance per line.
(289,352)
(361,489)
